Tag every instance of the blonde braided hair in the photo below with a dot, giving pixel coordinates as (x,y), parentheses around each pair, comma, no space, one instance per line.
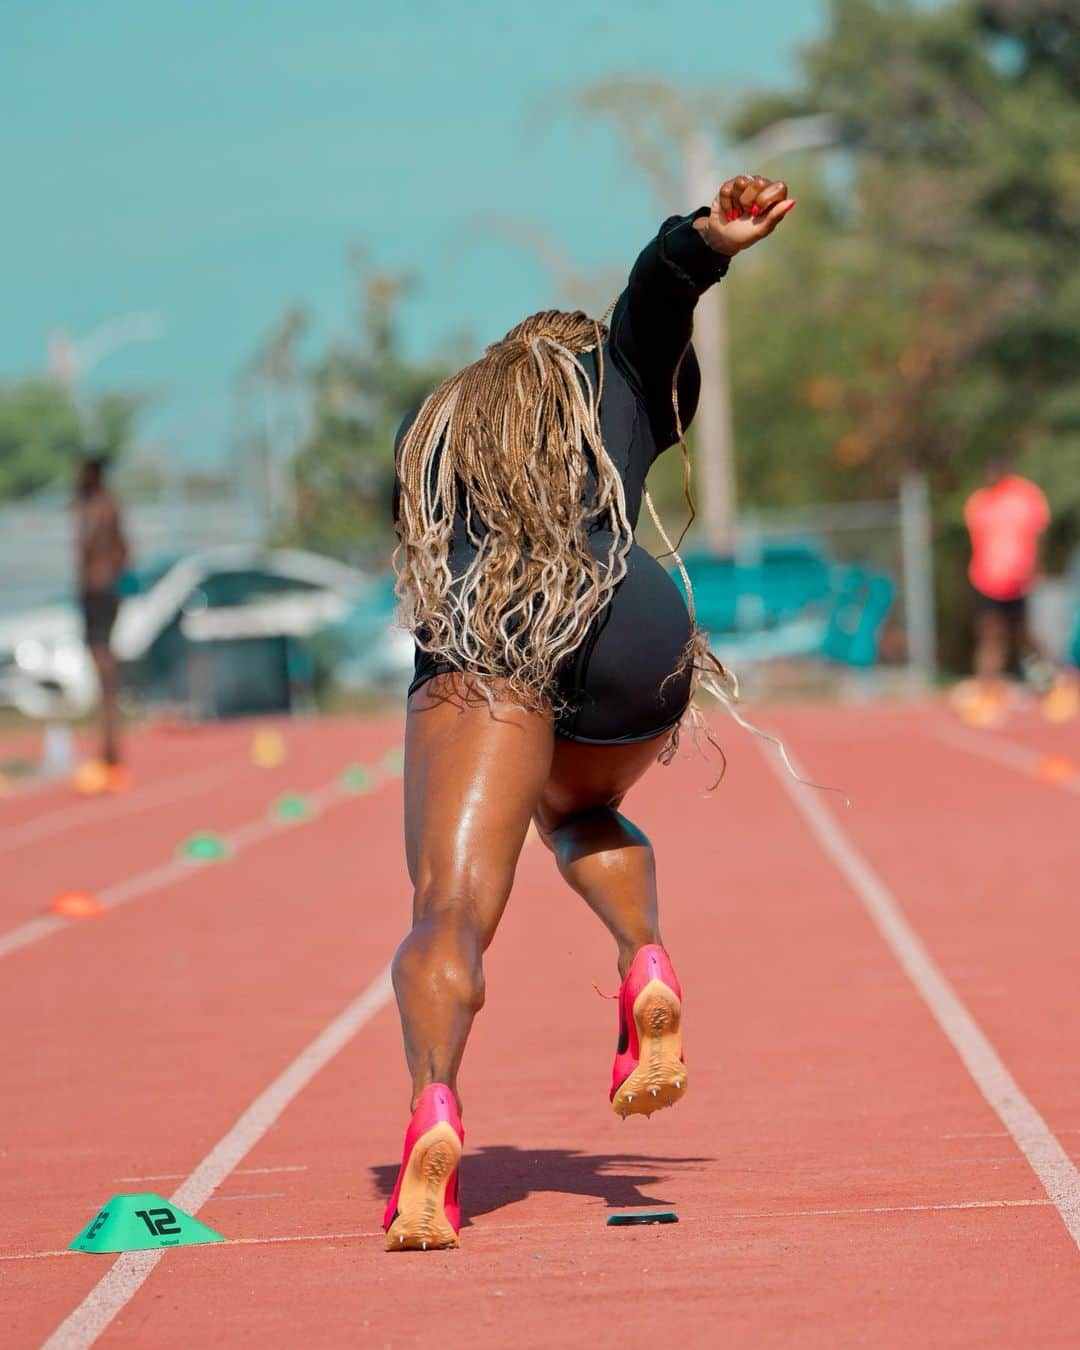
(512,446)
(507,445)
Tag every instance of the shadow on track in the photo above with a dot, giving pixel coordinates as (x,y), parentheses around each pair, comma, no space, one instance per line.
(500,1175)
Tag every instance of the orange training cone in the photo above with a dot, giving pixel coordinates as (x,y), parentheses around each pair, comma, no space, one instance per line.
(1062,702)
(77,905)
(119,779)
(1055,769)
(91,779)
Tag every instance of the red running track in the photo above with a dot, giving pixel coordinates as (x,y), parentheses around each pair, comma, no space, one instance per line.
(840,1175)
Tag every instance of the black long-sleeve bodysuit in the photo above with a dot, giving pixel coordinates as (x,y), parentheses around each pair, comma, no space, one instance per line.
(614,683)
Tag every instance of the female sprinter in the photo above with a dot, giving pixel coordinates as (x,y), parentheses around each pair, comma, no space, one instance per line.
(555,661)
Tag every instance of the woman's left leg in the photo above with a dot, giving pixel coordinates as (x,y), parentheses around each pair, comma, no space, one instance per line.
(601,854)
(609,862)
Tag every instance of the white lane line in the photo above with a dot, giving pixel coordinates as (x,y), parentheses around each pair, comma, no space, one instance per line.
(1003,1134)
(97,811)
(247,1195)
(240,1172)
(301,1237)
(31,787)
(164,874)
(126,1276)
(589,1225)
(239,1242)
(999,749)
(265,1171)
(29,932)
(887,1209)
(1043,1150)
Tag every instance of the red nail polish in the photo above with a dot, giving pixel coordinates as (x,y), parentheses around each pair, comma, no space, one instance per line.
(733,215)
(755,210)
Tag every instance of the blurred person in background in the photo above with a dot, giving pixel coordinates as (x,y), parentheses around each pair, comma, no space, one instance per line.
(556,661)
(101,556)
(1006,519)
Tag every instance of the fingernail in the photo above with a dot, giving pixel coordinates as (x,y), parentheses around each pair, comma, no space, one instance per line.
(755,210)
(733,215)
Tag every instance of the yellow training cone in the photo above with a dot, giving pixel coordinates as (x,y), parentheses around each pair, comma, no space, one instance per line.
(1062,703)
(91,779)
(1055,769)
(268,749)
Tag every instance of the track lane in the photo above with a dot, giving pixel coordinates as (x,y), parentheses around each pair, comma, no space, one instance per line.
(148,1034)
(108,845)
(154,755)
(985,862)
(819,1084)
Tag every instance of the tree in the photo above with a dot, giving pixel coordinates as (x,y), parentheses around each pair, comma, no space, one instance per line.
(926,310)
(355,395)
(43,433)
(273,383)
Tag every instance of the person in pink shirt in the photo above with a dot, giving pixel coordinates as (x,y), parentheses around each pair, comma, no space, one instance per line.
(1005,519)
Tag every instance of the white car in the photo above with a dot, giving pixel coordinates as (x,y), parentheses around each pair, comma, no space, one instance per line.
(45,669)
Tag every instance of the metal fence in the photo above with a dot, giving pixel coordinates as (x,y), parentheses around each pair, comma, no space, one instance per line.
(36,563)
(895,535)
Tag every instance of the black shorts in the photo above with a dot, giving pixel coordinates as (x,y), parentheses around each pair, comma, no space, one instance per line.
(1013,611)
(99,614)
(617,685)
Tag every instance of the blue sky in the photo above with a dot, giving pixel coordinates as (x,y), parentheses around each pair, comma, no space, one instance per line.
(211,161)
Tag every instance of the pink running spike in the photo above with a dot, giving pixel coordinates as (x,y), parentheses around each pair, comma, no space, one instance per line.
(425,1209)
(649,1071)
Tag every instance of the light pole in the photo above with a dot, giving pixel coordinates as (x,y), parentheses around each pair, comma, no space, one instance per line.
(70,359)
(715,426)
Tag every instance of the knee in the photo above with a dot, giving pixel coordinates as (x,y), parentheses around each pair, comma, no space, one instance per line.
(601,834)
(443,953)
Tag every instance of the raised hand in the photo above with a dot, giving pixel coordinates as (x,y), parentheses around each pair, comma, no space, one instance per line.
(745,210)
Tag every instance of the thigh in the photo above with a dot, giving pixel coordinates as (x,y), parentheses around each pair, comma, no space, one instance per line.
(1016,617)
(585,777)
(99,615)
(473,774)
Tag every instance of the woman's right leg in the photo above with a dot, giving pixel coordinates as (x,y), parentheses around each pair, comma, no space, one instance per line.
(991,646)
(473,774)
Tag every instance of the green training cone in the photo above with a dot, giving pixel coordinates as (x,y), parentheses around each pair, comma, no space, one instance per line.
(136,1223)
(292,807)
(394,760)
(356,778)
(205,846)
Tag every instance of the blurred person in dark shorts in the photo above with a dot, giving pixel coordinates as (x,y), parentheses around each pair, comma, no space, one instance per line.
(101,555)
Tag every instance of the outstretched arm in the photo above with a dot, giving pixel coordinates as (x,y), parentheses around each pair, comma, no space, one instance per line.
(653,318)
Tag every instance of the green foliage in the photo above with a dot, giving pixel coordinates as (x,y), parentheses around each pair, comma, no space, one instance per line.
(924,310)
(357,393)
(43,433)
(920,310)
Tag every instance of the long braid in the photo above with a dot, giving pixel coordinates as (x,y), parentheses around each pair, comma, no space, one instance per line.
(512,444)
(508,444)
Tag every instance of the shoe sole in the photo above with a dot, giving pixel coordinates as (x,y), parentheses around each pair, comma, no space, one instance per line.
(660,1077)
(421,1223)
